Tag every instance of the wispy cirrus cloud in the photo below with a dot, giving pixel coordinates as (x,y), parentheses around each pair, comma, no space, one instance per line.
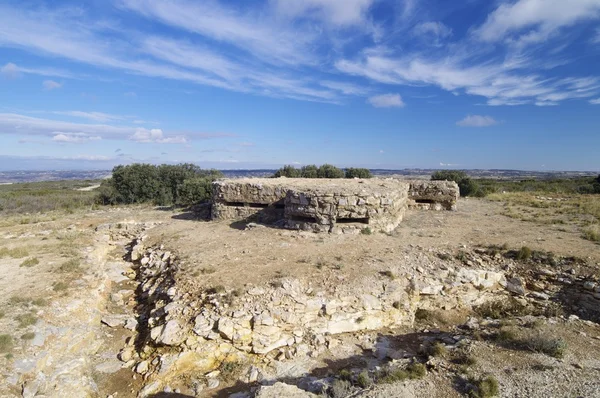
(386,101)
(51,85)
(531,21)
(64,131)
(74,138)
(95,116)
(477,121)
(595,101)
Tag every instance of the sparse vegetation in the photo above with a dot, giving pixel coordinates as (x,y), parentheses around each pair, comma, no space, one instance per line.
(26,319)
(230,370)
(39,197)
(500,309)
(70,266)
(412,372)
(30,262)
(485,387)
(436,350)
(60,286)
(363,380)
(6,343)
(219,289)
(524,253)
(17,252)
(340,388)
(592,233)
(366,231)
(554,347)
(28,336)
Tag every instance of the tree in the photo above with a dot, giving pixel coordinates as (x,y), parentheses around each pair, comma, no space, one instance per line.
(287,171)
(358,173)
(329,171)
(162,185)
(309,171)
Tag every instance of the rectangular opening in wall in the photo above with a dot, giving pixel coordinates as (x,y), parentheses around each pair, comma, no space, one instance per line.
(280,204)
(234,204)
(250,205)
(352,221)
(429,201)
(303,219)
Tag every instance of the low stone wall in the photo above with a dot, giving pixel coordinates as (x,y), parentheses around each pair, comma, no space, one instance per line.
(433,195)
(328,205)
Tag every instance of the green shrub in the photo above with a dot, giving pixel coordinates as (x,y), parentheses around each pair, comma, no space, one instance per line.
(358,173)
(413,371)
(309,171)
(484,387)
(6,343)
(592,233)
(366,231)
(363,380)
(287,171)
(25,320)
(330,171)
(524,253)
(466,185)
(162,185)
(30,262)
(554,347)
(341,388)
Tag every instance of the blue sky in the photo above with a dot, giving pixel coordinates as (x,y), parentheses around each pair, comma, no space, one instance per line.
(258,84)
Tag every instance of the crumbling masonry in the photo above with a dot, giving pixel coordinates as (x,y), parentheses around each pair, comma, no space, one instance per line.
(329,205)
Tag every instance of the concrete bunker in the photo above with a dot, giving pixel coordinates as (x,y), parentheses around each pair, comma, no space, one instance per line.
(328,205)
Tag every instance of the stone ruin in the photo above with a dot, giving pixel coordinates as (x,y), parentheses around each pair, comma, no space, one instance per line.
(328,205)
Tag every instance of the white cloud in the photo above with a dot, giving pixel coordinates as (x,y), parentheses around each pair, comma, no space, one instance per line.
(51,85)
(11,123)
(57,34)
(477,121)
(595,101)
(335,12)
(535,20)
(499,84)
(432,32)
(246,31)
(74,138)
(386,101)
(156,135)
(95,116)
(344,87)
(10,71)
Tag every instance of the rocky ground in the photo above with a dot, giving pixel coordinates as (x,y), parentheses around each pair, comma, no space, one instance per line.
(143,302)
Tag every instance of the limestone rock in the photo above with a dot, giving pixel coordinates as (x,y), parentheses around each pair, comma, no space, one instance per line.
(171,334)
(279,390)
(516,286)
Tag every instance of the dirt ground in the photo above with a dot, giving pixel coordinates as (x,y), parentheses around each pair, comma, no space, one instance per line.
(45,264)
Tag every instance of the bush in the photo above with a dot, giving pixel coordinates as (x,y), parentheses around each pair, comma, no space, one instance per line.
(163,185)
(484,388)
(466,185)
(6,343)
(592,233)
(330,171)
(358,173)
(287,171)
(310,171)
(524,253)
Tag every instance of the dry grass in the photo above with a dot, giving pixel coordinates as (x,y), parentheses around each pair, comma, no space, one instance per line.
(576,209)
(6,343)
(30,262)
(17,252)
(592,233)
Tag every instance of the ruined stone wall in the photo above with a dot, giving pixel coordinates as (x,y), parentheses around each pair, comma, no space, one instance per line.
(345,212)
(433,195)
(329,205)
